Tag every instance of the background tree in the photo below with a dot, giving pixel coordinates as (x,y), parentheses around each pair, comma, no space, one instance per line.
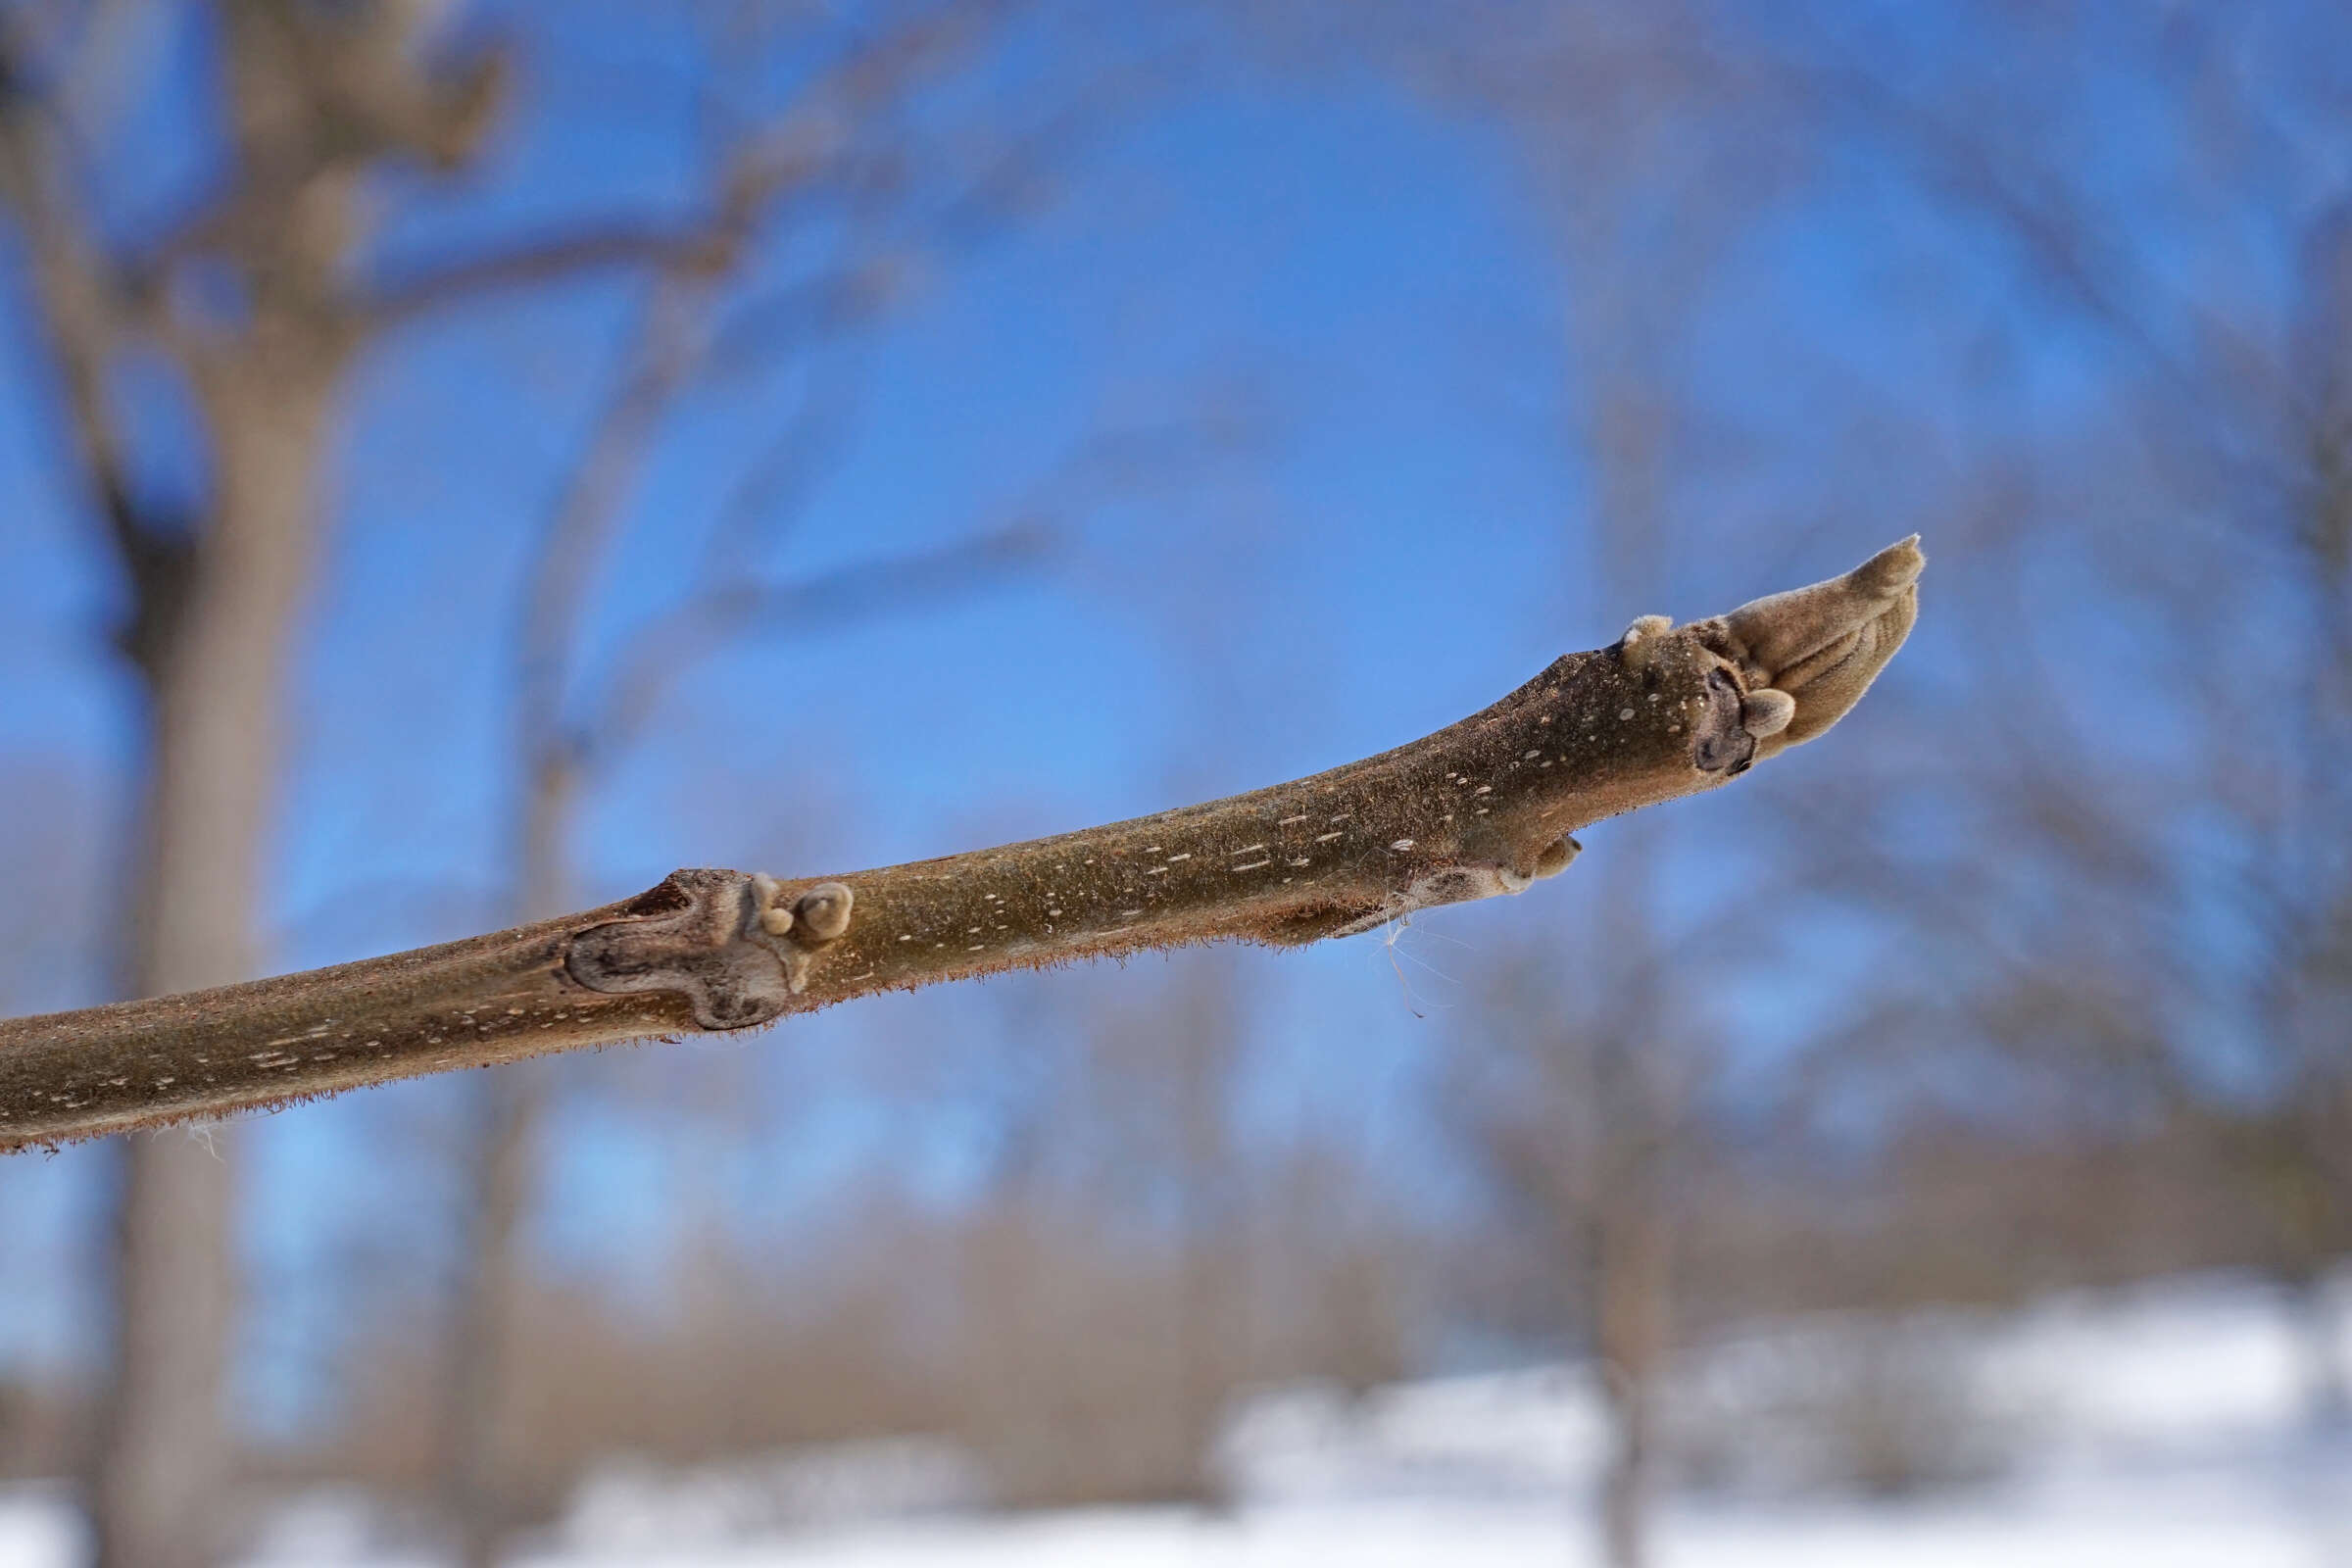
(254,290)
(2188,886)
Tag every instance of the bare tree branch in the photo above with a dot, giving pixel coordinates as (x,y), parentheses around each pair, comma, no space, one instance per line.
(762,169)
(1482,808)
(693,630)
(613,247)
(88,313)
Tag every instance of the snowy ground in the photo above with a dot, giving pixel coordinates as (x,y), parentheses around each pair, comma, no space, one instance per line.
(2158,1429)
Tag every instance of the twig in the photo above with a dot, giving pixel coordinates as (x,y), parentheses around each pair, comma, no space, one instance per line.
(1481,807)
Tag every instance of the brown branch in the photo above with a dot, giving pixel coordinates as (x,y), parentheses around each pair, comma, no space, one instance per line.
(1481,807)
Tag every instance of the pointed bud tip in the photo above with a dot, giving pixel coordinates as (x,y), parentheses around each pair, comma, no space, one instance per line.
(1893,570)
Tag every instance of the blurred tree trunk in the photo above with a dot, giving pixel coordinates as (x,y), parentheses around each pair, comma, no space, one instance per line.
(214,666)
(213,676)
(1583,1112)
(480,1419)
(1628,1285)
(311,101)
(2320,1331)
(1206,1039)
(1632,417)
(478,1413)
(1584,1131)
(501,1137)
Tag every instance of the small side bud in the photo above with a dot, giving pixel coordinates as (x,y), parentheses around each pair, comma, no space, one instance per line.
(1635,646)
(1766,712)
(799,926)
(689,941)
(775,919)
(823,911)
(1555,857)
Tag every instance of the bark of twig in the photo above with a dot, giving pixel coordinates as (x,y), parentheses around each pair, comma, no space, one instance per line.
(1481,807)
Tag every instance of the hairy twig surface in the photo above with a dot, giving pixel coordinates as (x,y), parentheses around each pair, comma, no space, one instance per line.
(1483,806)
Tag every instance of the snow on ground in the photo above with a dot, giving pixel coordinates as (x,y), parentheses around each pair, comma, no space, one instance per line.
(36,1530)
(2158,1427)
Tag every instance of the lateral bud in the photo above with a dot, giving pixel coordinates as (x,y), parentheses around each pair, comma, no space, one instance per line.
(795,928)
(694,938)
